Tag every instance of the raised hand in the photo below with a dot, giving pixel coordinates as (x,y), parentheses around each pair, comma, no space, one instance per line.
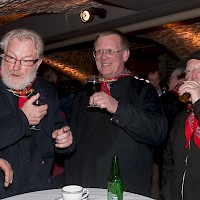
(63,137)
(34,113)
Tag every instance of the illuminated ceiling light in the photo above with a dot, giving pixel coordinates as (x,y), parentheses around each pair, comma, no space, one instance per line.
(87,15)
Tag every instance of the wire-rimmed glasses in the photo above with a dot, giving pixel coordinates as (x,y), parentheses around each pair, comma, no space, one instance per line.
(109,53)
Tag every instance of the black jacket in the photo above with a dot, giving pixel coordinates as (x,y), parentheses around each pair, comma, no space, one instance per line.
(172,106)
(181,169)
(30,153)
(131,133)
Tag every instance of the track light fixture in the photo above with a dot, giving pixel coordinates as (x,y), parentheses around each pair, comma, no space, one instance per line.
(87,15)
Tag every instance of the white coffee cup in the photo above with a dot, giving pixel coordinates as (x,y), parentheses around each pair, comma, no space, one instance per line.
(74,192)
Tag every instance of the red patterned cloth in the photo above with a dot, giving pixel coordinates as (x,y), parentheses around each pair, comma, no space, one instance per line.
(105,83)
(23,98)
(23,94)
(192,127)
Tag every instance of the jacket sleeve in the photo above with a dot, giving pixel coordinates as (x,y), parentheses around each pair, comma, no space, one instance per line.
(13,127)
(59,123)
(196,107)
(143,119)
(165,192)
(167,165)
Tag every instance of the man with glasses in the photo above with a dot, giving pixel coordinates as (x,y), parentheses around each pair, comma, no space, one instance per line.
(30,152)
(126,121)
(181,171)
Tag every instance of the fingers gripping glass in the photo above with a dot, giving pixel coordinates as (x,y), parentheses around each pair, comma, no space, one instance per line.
(24,62)
(38,102)
(109,52)
(92,86)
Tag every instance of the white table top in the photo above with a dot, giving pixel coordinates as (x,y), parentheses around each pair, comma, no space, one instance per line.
(54,194)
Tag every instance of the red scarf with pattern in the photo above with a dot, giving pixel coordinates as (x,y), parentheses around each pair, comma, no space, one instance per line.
(192,127)
(105,83)
(23,98)
(23,94)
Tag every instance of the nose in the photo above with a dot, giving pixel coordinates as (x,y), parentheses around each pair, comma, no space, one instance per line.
(17,65)
(194,75)
(104,55)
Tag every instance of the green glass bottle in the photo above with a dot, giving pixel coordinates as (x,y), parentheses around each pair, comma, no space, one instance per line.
(115,183)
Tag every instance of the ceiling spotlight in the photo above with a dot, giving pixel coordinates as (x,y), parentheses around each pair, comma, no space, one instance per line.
(87,15)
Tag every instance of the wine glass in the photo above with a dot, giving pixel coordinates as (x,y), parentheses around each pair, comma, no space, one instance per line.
(92,86)
(40,101)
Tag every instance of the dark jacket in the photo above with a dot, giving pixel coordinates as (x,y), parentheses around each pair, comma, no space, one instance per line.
(131,134)
(181,171)
(172,106)
(30,153)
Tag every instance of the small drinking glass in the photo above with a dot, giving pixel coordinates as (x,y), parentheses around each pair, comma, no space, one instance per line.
(92,86)
(40,101)
(185,98)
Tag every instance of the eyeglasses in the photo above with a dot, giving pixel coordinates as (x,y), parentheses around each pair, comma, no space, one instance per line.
(13,60)
(109,53)
(190,71)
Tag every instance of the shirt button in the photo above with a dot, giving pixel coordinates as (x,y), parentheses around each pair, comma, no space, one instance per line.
(117,121)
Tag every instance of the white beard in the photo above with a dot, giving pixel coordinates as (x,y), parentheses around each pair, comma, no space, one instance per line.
(19,83)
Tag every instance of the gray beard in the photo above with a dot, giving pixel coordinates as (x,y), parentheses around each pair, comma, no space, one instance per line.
(17,85)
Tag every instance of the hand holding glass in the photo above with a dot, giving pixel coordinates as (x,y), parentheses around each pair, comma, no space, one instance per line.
(185,98)
(40,101)
(93,85)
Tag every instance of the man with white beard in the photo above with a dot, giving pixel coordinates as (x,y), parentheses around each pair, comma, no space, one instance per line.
(30,152)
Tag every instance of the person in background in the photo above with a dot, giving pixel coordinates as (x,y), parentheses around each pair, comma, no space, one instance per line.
(170,99)
(66,94)
(127,122)
(181,171)
(172,107)
(154,78)
(7,170)
(164,84)
(66,98)
(30,152)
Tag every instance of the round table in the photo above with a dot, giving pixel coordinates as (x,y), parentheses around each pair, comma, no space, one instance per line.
(55,194)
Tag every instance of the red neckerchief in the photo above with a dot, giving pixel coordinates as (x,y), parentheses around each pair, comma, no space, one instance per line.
(192,127)
(105,83)
(22,94)
(176,88)
(23,98)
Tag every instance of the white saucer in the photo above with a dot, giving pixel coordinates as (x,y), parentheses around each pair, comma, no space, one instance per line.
(60,198)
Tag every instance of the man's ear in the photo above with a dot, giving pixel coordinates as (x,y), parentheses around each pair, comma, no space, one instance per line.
(38,63)
(126,54)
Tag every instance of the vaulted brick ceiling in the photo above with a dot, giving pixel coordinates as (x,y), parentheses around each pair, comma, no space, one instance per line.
(11,10)
(180,38)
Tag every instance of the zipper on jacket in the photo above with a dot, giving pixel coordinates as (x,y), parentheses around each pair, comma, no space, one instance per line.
(182,185)
(184,174)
